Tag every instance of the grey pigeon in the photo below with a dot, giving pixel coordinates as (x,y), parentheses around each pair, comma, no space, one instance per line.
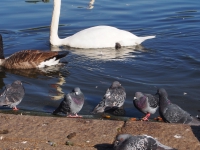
(12,95)
(172,113)
(146,103)
(72,103)
(138,142)
(114,98)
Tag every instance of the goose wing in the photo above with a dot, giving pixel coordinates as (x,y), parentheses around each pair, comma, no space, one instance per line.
(28,59)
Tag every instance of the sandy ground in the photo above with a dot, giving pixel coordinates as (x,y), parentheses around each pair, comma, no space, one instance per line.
(41,132)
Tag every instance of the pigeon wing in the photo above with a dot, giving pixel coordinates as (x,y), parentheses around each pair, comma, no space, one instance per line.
(64,106)
(153,100)
(174,114)
(115,97)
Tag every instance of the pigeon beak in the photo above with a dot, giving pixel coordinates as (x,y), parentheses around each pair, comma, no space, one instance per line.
(134,98)
(116,143)
(76,93)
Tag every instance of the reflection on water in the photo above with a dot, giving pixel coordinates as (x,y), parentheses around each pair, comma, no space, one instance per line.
(103,54)
(35,1)
(51,71)
(91,4)
(59,94)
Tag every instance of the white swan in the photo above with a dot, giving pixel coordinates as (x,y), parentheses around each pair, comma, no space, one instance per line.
(94,37)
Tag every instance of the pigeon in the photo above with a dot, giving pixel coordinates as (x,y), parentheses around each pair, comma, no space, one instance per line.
(113,98)
(138,142)
(146,103)
(12,95)
(71,104)
(172,113)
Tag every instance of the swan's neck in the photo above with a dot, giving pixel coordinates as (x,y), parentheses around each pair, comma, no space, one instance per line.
(54,39)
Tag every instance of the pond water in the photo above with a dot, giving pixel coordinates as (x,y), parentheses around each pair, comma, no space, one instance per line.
(171,60)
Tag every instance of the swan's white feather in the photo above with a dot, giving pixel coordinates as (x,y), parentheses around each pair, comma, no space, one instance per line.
(102,37)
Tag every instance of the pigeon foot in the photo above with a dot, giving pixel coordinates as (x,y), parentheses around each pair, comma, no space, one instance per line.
(15,108)
(145,118)
(74,116)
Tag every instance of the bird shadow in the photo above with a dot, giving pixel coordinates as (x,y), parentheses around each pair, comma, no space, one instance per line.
(196,131)
(116,111)
(104,146)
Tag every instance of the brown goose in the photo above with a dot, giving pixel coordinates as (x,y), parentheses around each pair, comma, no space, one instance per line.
(28,59)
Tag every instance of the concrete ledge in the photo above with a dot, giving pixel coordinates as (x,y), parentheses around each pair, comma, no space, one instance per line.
(39,132)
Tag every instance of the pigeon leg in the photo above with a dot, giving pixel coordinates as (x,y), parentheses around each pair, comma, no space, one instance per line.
(15,108)
(75,116)
(145,118)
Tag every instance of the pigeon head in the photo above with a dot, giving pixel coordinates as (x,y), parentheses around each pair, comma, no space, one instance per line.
(138,95)
(18,82)
(120,139)
(162,92)
(115,84)
(77,90)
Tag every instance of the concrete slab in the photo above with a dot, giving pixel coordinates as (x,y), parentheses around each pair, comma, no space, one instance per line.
(174,135)
(59,130)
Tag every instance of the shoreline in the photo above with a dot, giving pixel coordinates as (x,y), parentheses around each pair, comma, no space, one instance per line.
(20,131)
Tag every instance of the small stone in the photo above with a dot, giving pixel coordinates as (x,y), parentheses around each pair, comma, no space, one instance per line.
(51,143)
(69,143)
(4,132)
(1,137)
(24,142)
(177,136)
(71,135)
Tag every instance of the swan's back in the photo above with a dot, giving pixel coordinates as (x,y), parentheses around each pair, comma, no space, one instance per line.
(102,37)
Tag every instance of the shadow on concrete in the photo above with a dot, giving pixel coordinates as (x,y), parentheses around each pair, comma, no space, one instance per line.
(196,131)
(104,146)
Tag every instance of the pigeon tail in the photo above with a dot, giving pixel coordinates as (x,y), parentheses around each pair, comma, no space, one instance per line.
(60,109)
(194,122)
(3,101)
(98,109)
(160,146)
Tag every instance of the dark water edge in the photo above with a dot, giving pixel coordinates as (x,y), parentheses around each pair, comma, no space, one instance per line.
(102,116)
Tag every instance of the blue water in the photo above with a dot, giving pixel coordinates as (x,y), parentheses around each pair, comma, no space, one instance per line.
(171,60)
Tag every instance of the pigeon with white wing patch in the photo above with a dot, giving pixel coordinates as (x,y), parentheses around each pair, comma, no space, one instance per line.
(138,142)
(114,98)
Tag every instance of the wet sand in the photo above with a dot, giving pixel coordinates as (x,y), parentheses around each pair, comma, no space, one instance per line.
(42,132)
